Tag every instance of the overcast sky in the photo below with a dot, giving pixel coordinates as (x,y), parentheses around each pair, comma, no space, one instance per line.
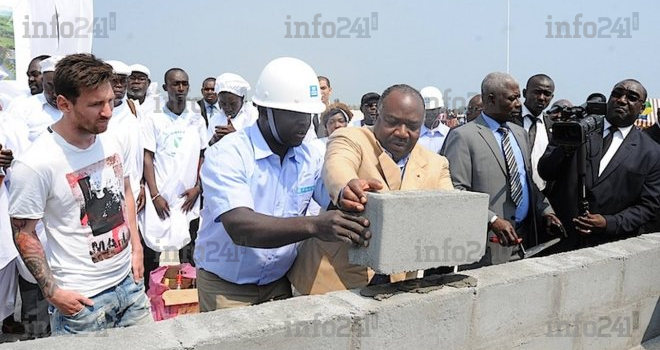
(451,44)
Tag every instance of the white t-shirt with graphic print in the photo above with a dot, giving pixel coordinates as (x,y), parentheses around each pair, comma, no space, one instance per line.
(79,195)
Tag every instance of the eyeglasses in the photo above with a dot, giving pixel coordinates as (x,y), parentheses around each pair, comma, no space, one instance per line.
(476,109)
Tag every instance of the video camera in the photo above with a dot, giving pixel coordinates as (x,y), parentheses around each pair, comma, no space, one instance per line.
(576,124)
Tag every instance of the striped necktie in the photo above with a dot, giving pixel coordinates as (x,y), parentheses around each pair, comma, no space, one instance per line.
(511,166)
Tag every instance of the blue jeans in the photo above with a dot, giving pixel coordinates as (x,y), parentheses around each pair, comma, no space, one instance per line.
(121,306)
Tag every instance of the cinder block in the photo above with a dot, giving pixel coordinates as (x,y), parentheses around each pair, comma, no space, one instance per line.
(610,328)
(641,261)
(590,279)
(446,322)
(415,230)
(515,301)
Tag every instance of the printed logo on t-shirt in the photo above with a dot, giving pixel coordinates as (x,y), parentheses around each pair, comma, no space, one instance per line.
(172,142)
(99,191)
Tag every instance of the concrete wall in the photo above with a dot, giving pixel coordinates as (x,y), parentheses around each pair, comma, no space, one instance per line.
(605,298)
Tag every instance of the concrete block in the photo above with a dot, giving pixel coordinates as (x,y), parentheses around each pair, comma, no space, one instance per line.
(581,300)
(589,279)
(604,329)
(415,230)
(536,343)
(515,301)
(298,323)
(437,320)
(154,336)
(642,275)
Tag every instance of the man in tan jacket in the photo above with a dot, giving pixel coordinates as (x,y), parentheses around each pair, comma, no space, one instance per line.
(379,158)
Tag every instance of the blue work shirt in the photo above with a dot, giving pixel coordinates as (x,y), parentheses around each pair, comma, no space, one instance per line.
(433,139)
(240,170)
(523,208)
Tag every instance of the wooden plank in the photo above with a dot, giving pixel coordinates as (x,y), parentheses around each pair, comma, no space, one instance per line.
(180,296)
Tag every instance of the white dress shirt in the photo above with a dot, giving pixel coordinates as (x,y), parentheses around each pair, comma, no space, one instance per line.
(617,140)
(540,144)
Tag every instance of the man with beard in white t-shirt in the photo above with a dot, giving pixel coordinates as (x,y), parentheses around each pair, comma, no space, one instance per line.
(75,179)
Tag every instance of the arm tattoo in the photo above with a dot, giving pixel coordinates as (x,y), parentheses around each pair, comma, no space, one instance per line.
(32,252)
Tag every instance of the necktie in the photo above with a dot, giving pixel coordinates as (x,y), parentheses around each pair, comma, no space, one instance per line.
(511,167)
(532,130)
(211,110)
(607,141)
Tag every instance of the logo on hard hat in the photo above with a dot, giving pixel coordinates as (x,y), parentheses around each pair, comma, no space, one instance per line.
(313,90)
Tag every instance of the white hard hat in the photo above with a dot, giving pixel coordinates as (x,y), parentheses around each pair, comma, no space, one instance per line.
(432,97)
(48,65)
(290,84)
(119,67)
(230,82)
(140,68)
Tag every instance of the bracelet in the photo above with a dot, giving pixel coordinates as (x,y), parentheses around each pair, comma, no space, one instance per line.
(154,197)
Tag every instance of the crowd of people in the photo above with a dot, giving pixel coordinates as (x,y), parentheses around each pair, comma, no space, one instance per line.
(100,176)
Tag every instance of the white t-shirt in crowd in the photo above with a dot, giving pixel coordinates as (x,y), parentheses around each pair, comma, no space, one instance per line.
(13,136)
(128,130)
(79,195)
(36,113)
(176,141)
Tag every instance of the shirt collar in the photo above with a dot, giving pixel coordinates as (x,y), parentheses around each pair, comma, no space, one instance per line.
(42,99)
(206,105)
(525,112)
(261,148)
(493,125)
(402,162)
(45,106)
(171,114)
(442,129)
(624,130)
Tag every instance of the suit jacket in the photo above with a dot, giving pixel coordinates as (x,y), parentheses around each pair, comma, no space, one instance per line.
(319,127)
(627,193)
(546,121)
(202,108)
(654,132)
(355,153)
(477,164)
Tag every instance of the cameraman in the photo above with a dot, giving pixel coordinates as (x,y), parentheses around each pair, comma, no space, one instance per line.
(622,175)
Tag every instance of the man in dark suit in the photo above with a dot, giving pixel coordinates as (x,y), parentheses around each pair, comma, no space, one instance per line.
(491,155)
(538,92)
(622,175)
(653,132)
(208,105)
